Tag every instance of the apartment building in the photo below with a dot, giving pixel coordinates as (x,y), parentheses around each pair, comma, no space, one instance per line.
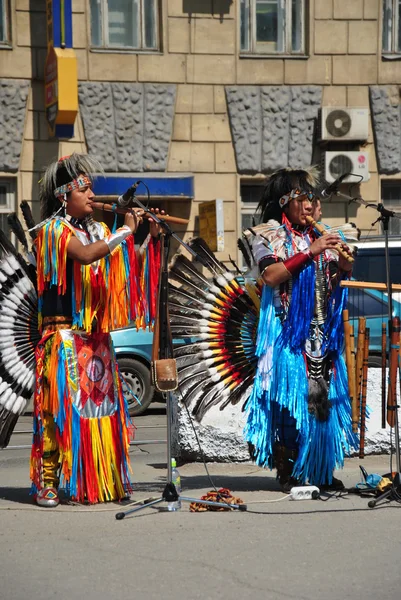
(201,99)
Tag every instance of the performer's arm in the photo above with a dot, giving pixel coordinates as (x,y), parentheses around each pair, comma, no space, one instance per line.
(279,272)
(85,255)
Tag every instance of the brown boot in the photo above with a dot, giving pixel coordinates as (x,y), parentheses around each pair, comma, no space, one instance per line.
(284,459)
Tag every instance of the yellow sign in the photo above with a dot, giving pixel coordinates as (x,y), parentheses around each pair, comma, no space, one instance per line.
(61,87)
(211,224)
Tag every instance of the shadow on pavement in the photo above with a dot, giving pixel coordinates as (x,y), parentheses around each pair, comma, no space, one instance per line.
(20,495)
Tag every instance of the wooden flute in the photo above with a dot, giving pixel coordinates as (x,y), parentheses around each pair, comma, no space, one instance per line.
(122,211)
(350,361)
(325,231)
(363,393)
(392,382)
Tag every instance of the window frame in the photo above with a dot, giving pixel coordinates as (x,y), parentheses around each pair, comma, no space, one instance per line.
(261,52)
(390,36)
(5,9)
(11,199)
(396,207)
(247,208)
(142,49)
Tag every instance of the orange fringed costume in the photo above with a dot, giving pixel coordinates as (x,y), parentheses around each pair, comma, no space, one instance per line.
(81,422)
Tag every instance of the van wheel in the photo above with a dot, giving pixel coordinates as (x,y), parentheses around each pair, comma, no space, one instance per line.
(137,388)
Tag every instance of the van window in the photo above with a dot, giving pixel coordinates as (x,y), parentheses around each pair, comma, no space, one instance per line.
(370,265)
(362,304)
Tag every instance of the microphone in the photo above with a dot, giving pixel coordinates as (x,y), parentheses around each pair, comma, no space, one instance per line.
(124,200)
(333,187)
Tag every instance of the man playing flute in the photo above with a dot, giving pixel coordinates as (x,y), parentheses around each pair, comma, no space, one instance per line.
(89,281)
(299,414)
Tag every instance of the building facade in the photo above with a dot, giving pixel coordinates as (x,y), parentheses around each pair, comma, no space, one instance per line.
(200,99)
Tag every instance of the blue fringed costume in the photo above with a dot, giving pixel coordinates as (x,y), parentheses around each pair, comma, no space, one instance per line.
(299,412)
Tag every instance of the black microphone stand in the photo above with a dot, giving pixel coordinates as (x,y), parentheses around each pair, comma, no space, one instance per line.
(170,493)
(394,492)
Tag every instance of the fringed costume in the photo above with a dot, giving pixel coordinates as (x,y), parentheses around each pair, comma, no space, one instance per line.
(299,406)
(277,350)
(82,428)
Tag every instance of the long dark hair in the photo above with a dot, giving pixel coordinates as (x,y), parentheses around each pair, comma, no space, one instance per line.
(61,172)
(282,182)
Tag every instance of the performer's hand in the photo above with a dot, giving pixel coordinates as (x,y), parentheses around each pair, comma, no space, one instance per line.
(343,263)
(325,242)
(155,228)
(133,219)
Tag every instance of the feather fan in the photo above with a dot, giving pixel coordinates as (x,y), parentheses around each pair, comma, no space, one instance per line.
(218,311)
(18,338)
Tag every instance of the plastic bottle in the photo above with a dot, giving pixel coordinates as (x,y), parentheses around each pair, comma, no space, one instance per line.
(176,480)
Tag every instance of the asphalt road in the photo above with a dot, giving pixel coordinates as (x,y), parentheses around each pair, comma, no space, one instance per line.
(278,549)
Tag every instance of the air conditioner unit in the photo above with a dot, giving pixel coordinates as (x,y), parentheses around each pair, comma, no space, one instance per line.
(343,124)
(338,163)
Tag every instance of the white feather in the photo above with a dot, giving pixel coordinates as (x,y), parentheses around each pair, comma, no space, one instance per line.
(20,405)
(27,379)
(4,397)
(206,353)
(221,281)
(9,405)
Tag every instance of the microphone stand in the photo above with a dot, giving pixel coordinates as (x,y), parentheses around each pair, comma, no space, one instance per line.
(170,493)
(394,493)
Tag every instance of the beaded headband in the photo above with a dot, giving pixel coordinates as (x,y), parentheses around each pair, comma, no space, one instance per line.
(296,193)
(81,181)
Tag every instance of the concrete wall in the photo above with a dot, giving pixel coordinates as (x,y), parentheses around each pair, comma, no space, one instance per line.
(220,432)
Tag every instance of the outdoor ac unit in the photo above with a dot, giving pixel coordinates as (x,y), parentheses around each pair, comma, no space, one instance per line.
(343,124)
(338,163)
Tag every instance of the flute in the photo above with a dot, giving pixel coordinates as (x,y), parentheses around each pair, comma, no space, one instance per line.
(351,371)
(392,380)
(122,211)
(325,231)
(363,394)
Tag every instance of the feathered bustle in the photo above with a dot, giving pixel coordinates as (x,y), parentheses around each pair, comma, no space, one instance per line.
(220,316)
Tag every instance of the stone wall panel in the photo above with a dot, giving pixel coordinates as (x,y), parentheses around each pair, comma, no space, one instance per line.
(273,126)
(246,125)
(305,104)
(13,102)
(386,124)
(96,107)
(128,117)
(275,102)
(159,113)
(128,126)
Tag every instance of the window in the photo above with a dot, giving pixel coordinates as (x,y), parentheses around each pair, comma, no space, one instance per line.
(391,198)
(7,204)
(131,24)
(4,23)
(391,27)
(272,26)
(250,197)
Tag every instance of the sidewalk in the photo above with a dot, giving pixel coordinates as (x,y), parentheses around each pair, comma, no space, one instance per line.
(279,550)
